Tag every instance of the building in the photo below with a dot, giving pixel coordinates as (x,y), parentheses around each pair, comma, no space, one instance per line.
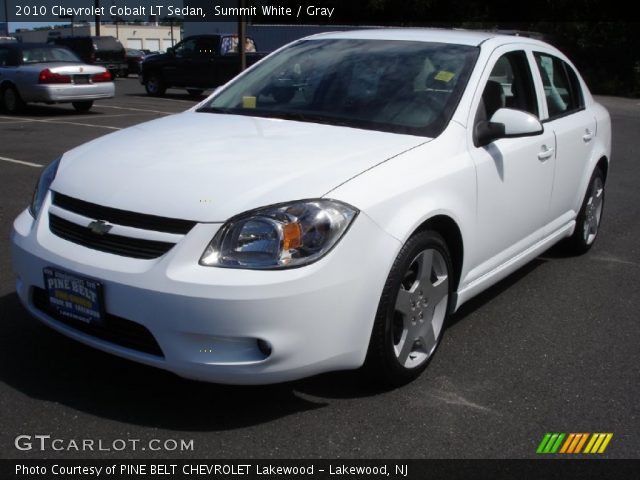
(267,37)
(156,38)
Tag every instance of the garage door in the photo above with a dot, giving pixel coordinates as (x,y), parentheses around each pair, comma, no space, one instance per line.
(134,43)
(153,44)
(166,43)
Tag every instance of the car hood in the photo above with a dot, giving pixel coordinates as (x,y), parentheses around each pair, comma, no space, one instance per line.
(208,167)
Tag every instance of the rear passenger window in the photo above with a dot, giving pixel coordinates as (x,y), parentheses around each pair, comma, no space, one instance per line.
(562,89)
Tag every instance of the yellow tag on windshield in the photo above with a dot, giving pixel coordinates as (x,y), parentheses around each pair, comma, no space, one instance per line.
(248,102)
(444,76)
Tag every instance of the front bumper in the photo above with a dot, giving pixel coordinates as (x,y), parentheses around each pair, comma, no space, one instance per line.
(207,321)
(69,92)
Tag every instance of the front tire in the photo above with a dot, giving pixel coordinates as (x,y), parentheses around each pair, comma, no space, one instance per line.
(83,106)
(155,85)
(411,315)
(11,101)
(589,217)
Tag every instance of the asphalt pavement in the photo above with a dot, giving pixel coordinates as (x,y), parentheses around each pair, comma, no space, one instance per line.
(553,348)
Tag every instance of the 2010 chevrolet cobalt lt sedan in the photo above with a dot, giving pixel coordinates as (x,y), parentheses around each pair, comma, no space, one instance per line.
(325,210)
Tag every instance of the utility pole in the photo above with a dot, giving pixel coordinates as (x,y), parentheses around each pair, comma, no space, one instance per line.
(97,19)
(6,15)
(242,35)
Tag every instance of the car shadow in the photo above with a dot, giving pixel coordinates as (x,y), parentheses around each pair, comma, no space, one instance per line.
(492,292)
(41,110)
(43,364)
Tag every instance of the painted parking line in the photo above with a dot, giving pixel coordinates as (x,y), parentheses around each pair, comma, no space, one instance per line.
(13,122)
(139,110)
(21,162)
(60,122)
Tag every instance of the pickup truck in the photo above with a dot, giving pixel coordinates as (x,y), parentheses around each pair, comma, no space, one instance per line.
(197,63)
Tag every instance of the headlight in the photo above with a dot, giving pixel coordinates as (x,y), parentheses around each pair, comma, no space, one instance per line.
(42,187)
(280,236)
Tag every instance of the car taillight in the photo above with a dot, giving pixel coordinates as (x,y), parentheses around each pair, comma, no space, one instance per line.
(101,77)
(47,76)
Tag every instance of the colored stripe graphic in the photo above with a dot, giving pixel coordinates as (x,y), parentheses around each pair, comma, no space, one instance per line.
(550,443)
(598,442)
(573,443)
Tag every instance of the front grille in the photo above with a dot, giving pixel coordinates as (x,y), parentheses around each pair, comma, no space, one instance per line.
(123,217)
(115,244)
(114,329)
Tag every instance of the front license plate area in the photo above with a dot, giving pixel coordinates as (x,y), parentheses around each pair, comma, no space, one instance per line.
(74,296)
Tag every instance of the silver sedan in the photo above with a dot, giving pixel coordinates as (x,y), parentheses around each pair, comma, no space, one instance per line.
(49,74)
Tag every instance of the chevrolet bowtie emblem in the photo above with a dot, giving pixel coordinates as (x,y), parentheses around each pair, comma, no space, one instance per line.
(99,227)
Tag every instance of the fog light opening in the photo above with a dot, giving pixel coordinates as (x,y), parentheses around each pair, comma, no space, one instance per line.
(264,347)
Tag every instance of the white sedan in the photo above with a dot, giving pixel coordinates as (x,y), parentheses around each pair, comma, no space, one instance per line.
(325,210)
(33,72)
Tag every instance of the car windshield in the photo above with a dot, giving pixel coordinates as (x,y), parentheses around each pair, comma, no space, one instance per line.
(388,85)
(48,54)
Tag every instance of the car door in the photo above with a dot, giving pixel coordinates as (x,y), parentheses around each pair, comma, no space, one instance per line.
(203,66)
(514,175)
(574,128)
(178,70)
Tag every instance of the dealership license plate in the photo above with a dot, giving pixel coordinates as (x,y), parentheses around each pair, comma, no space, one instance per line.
(74,297)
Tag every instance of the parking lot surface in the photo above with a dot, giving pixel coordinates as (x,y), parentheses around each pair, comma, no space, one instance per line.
(553,348)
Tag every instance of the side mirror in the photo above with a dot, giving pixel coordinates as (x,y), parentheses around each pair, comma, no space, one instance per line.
(507,123)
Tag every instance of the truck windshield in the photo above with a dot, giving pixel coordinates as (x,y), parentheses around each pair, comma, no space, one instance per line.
(395,86)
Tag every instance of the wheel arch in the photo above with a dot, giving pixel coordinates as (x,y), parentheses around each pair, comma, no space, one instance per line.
(450,231)
(603,164)
(7,83)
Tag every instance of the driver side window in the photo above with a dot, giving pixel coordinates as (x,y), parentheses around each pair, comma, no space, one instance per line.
(185,49)
(510,85)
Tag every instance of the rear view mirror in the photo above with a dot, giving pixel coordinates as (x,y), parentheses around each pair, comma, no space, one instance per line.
(507,123)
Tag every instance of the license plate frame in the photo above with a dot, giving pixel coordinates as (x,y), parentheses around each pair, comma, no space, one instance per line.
(74,296)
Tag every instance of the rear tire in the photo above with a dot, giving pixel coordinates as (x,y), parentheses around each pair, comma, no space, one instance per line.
(413,308)
(83,106)
(589,217)
(155,85)
(10,100)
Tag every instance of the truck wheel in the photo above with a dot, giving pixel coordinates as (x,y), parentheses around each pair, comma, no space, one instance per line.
(155,85)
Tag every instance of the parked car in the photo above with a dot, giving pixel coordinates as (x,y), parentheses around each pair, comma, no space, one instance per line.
(197,63)
(32,72)
(134,59)
(329,208)
(105,51)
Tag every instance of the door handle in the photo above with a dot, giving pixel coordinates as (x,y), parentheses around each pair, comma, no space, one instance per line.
(545,153)
(588,135)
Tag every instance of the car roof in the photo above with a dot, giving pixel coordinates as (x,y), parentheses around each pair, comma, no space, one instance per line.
(436,35)
(27,45)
